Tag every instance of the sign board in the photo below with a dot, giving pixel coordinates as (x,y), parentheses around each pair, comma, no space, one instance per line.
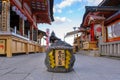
(60,57)
(2,46)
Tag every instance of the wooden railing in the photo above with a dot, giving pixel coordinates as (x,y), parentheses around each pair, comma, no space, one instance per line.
(109,48)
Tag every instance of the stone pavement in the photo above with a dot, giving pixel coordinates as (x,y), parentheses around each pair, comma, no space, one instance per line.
(31,67)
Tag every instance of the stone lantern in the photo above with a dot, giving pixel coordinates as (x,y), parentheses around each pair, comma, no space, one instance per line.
(59,56)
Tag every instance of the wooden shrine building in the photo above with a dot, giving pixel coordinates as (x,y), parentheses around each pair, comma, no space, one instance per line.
(18,25)
(102,27)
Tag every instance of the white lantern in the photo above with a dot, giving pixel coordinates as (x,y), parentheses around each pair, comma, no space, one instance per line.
(18,12)
(14,8)
(24,17)
(21,15)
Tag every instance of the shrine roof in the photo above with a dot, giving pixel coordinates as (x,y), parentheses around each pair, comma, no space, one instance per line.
(42,9)
(43,33)
(106,8)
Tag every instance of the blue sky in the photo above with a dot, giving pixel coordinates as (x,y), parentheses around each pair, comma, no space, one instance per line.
(67,14)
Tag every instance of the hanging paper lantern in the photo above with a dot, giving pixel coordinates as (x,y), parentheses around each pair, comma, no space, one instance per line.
(21,15)
(18,12)
(97,29)
(14,8)
(24,17)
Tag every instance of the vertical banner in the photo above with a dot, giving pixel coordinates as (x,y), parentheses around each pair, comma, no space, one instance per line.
(47,38)
(0,6)
(5,16)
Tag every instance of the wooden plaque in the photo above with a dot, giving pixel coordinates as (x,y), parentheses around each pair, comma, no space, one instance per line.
(60,57)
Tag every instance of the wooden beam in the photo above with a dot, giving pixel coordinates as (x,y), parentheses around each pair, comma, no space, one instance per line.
(40,12)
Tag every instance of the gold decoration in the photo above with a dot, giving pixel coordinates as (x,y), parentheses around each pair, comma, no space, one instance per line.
(51,59)
(68,57)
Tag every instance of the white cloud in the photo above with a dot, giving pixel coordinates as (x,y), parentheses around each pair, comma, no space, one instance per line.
(59,10)
(61,20)
(54,10)
(65,3)
(70,11)
(94,2)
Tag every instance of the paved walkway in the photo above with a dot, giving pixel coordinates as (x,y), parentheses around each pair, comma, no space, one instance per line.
(31,67)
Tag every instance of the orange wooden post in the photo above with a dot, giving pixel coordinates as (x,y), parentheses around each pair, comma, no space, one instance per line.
(8,47)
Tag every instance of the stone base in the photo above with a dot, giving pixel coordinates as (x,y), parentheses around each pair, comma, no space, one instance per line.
(59,70)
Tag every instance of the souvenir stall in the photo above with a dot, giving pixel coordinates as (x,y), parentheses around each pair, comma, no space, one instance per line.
(18,25)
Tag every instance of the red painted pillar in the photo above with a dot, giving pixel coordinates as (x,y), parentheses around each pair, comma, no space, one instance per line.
(92,32)
(47,39)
